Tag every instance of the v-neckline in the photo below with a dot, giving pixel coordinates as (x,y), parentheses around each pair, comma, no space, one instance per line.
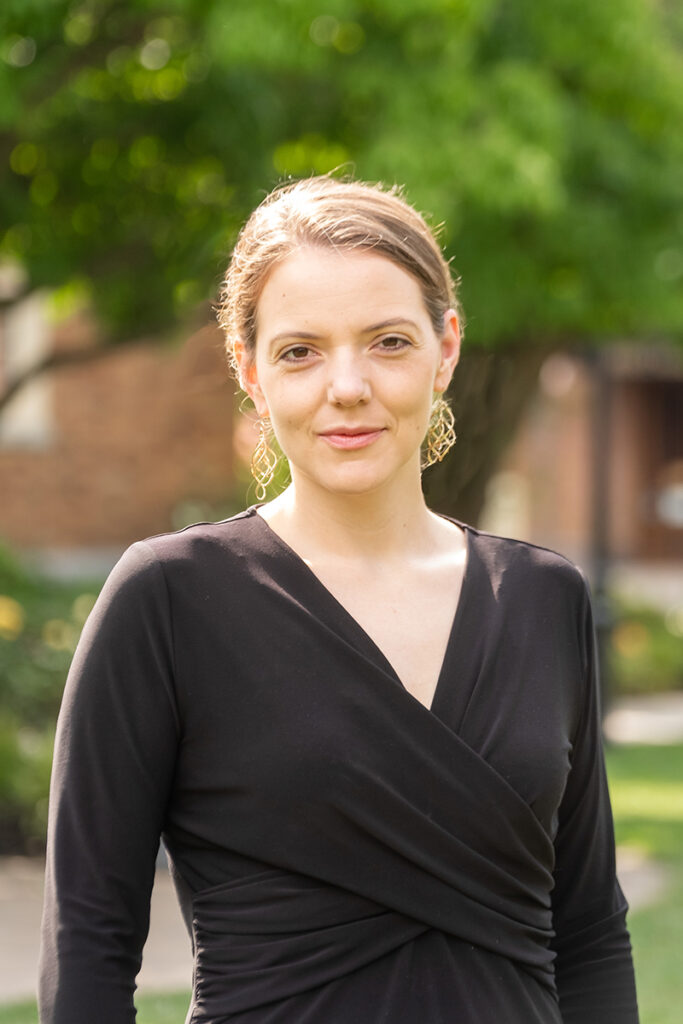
(355,625)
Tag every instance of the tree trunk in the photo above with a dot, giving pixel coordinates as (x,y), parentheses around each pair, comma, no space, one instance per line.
(490,392)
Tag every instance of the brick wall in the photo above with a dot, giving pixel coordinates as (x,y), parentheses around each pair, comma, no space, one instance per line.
(133,434)
(547,471)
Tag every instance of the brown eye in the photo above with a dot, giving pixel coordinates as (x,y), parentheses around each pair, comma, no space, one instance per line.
(296,354)
(393,343)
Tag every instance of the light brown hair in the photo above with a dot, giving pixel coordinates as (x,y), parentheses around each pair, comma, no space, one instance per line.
(333,213)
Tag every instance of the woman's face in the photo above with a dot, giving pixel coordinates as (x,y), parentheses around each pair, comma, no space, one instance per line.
(346,364)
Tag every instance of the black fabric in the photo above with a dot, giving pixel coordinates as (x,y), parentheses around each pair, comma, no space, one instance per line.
(342,853)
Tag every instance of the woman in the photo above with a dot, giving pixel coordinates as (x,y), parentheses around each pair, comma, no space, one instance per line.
(368,734)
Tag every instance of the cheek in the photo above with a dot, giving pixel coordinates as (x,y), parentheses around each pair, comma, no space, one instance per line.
(416,410)
(414,397)
(290,406)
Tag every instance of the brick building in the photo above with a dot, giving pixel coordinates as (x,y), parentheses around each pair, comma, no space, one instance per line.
(98,454)
(546,487)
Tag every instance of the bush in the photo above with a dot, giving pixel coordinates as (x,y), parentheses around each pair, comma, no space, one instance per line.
(646,652)
(25,758)
(40,623)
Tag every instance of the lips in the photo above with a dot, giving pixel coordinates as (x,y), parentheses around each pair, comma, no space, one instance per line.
(351,438)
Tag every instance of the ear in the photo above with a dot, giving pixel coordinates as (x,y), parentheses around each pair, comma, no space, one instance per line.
(450,351)
(248,378)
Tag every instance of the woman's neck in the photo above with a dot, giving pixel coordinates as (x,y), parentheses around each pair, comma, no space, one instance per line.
(371,527)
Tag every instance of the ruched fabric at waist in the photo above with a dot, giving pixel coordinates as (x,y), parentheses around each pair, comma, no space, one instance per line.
(276,934)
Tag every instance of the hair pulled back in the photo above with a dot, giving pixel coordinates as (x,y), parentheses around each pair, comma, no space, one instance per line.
(331,213)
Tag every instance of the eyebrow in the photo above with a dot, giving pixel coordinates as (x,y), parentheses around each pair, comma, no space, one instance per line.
(394,321)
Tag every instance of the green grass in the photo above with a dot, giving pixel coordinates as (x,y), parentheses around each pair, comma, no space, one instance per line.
(19,1013)
(647,795)
(167,1009)
(152,1009)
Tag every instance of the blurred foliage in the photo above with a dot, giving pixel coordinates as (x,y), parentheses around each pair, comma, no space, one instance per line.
(136,135)
(40,623)
(646,649)
(25,760)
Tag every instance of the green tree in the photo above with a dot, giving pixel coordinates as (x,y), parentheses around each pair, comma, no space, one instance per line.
(136,135)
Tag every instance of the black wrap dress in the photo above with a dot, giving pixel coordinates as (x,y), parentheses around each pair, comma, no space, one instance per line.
(342,854)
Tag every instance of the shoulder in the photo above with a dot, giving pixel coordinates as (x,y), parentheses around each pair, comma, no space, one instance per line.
(197,541)
(148,564)
(525,556)
(524,569)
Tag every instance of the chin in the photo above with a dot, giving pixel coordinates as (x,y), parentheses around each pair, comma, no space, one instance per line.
(355,480)
(359,475)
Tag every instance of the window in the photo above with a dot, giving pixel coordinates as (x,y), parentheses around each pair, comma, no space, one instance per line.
(25,337)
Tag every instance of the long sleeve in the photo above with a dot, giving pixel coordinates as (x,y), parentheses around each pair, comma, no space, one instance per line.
(113,767)
(594,969)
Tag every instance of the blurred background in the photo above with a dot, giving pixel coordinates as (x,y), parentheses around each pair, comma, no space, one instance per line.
(545,143)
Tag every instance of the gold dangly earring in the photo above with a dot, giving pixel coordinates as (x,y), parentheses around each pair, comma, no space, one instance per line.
(264,460)
(440,434)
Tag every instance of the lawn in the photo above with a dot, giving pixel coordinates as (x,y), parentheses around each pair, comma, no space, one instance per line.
(162,1009)
(647,794)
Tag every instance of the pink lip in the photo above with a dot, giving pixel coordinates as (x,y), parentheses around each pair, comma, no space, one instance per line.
(351,439)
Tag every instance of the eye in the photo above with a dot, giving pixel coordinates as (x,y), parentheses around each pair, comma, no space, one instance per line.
(393,343)
(296,354)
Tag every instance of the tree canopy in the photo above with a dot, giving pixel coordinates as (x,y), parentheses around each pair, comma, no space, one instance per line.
(136,136)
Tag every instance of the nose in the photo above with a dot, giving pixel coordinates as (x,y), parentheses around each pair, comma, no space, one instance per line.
(348,382)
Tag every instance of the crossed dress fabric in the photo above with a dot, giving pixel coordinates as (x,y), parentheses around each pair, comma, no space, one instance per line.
(342,854)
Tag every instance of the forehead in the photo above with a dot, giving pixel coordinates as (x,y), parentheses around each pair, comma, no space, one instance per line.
(317,284)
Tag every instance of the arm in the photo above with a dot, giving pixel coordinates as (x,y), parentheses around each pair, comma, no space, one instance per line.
(112,771)
(594,970)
